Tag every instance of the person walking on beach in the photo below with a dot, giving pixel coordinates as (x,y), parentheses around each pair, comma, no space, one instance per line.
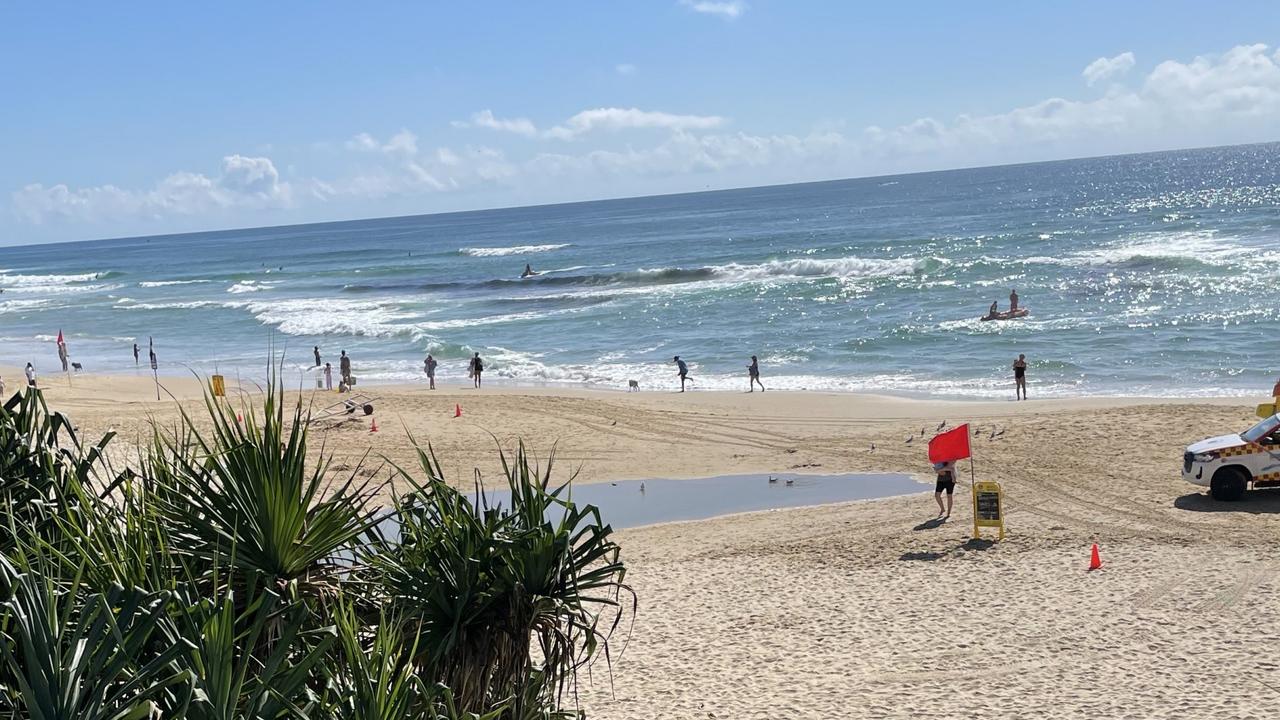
(477,367)
(1020,378)
(946,483)
(31,376)
(429,365)
(753,373)
(683,371)
(1013,301)
(316,351)
(328,376)
(135,354)
(62,355)
(344,368)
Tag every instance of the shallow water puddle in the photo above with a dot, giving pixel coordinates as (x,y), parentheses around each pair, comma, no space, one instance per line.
(625,505)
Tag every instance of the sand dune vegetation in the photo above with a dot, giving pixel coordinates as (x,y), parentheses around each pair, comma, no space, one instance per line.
(227,573)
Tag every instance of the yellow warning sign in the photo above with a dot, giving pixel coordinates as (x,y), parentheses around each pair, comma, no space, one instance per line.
(218,385)
(988,507)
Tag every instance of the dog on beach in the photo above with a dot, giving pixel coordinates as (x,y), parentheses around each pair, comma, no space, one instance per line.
(77,366)
(633,386)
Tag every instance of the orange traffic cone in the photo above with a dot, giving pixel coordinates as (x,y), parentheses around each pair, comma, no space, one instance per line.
(457,411)
(373,425)
(1095,560)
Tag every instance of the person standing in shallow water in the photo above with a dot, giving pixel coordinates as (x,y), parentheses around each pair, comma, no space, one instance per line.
(683,371)
(1013,301)
(135,354)
(429,366)
(477,368)
(328,376)
(344,368)
(316,351)
(753,372)
(1020,378)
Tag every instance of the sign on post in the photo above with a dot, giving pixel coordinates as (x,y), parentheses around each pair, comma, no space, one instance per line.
(219,386)
(988,507)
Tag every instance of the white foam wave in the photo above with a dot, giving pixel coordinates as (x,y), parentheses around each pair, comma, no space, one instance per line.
(249,286)
(167,283)
(27,281)
(845,267)
(334,316)
(513,250)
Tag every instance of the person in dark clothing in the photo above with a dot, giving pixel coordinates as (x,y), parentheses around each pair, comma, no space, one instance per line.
(683,370)
(753,372)
(1020,378)
(344,368)
(316,351)
(946,483)
(477,367)
(135,354)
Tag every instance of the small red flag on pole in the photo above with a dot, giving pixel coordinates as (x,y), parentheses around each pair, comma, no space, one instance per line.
(60,341)
(950,446)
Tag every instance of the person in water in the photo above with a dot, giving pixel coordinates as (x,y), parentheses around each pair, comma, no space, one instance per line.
(316,351)
(528,271)
(477,367)
(135,354)
(429,366)
(1020,377)
(344,368)
(1013,301)
(683,370)
(753,375)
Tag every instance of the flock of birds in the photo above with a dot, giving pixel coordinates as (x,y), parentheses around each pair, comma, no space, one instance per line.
(996,432)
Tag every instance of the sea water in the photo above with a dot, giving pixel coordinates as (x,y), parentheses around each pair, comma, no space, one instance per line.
(1153,274)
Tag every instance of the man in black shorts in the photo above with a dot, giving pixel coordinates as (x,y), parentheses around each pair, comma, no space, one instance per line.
(946,483)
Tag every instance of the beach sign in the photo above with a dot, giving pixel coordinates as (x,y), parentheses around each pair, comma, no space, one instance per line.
(1266,410)
(218,385)
(988,507)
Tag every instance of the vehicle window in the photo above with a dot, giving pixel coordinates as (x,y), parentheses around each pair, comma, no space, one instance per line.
(1262,429)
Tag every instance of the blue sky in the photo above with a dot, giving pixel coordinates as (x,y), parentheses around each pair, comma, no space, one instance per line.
(142,118)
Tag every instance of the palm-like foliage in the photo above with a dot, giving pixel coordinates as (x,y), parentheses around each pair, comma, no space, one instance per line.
(250,485)
(483,584)
(74,656)
(226,577)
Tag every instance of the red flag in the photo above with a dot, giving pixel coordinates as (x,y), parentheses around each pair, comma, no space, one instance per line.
(950,446)
(59,336)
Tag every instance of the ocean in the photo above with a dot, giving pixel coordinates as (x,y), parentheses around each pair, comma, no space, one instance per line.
(1154,274)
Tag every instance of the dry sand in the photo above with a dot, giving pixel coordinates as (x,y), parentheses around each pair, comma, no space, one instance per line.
(861,610)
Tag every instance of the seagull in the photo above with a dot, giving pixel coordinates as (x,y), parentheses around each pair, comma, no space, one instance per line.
(976,430)
(910,438)
(942,425)
(873,447)
(922,431)
(615,422)
(614,484)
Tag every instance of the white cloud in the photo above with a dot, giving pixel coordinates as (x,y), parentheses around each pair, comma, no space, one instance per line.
(731,9)
(625,69)
(630,119)
(244,183)
(403,143)
(486,119)
(1106,68)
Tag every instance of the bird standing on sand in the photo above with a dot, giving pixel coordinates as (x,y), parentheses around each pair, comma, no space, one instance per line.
(942,425)
(910,438)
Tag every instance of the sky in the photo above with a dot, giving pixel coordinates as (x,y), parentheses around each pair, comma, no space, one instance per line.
(120,119)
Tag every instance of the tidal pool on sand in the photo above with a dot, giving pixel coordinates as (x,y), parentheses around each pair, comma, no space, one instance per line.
(625,505)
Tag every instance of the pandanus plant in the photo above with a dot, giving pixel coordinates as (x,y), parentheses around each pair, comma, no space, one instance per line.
(485,586)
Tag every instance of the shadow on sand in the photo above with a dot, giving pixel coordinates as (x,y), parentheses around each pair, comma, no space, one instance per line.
(1254,502)
(931,524)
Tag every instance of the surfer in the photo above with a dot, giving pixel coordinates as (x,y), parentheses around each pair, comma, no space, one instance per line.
(528,271)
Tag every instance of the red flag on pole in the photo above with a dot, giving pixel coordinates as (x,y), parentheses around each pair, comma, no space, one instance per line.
(950,446)
(59,336)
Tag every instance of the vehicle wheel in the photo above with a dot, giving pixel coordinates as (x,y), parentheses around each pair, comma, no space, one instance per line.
(1228,484)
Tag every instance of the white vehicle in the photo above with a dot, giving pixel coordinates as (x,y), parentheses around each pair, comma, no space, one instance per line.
(1227,464)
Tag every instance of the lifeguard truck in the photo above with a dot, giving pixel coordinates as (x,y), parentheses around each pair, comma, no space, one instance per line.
(1228,464)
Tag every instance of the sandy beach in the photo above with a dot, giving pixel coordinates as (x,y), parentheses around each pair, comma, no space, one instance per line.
(862,609)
